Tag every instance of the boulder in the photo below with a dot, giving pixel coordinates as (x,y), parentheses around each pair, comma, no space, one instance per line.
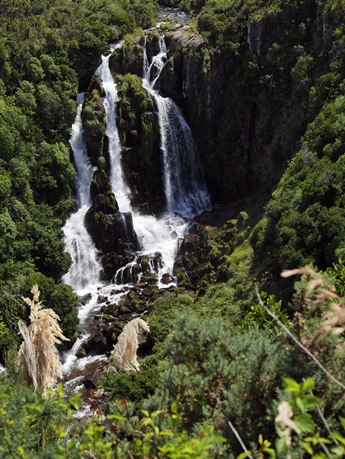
(166,278)
(111,232)
(91,379)
(97,343)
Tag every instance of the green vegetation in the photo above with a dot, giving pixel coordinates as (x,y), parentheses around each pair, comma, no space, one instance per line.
(214,356)
(204,377)
(47,50)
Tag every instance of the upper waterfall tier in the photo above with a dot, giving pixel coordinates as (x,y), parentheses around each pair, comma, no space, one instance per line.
(184,185)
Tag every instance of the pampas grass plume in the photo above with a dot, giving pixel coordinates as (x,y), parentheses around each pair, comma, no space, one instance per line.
(124,354)
(38,359)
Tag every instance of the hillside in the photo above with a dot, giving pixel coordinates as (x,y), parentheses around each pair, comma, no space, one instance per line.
(261,87)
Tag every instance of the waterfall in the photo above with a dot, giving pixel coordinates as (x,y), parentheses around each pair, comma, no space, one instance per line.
(118,184)
(184,186)
(85,269)
(154,235)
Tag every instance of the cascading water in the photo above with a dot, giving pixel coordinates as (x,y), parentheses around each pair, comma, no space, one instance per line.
(118,184)
(84,272)
(186,196)
(184,187)
(85,269)
(154,235)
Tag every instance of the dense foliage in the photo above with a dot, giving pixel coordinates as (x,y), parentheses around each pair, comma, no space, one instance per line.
(47,50)
(210,376)
(213,356)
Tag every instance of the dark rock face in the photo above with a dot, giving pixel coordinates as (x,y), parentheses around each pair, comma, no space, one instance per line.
(247,108)
(111,232)
(140,139)
(255,32)
(197,78)
(94,119)
(101,194)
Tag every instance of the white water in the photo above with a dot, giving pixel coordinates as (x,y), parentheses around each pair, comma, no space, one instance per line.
(154,235)
(184,187)
(185,192)
(85,269)
(118,184)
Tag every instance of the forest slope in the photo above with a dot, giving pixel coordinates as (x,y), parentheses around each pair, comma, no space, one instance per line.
(212,355)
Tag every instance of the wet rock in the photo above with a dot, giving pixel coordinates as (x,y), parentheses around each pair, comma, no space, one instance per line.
(102,299)
(190,243)
(152,279)
(147,292)
(141,284)
(204,268)
(183,278)
(111,309)
(91,379)
(199,230)
(101,193)
(125,309)
(97,343)
(112,234)
(107,318)
(167,279)
(85,298)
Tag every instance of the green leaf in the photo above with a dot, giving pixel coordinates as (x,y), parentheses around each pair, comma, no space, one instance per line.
(325,440)
(270,452)
(147,422)
(116,416)
(308,385)
(339,450)
(280,445)
(342,420)
(307,447)
(174,407)
(154,414)
(244,455)
(304,422)
(339,437)
(312,440)
(310,401)
(291,386)
(300,404)
(61,392)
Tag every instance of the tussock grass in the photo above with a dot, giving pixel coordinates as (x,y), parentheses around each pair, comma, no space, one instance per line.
(38,359)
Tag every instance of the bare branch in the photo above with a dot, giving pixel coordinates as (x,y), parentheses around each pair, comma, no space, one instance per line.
(239,439)
(319,364)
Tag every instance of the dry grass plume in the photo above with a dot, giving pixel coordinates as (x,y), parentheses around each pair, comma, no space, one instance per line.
(124,354)
(38,359)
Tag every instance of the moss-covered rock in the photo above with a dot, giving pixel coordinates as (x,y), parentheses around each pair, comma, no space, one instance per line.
(139,133)
(129,57)
(111,232)
(101,193)
(94,119)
